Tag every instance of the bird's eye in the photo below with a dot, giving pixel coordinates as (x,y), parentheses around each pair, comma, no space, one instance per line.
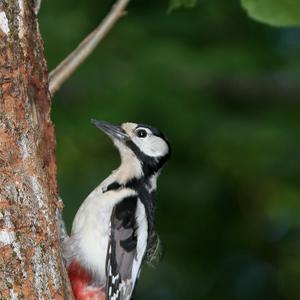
(141,133)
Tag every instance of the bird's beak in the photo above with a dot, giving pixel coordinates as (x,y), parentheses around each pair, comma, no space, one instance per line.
(113,131)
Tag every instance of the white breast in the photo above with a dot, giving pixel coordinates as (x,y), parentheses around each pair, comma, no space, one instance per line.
(90,231)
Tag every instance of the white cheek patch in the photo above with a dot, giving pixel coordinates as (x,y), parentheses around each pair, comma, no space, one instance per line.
(152,145)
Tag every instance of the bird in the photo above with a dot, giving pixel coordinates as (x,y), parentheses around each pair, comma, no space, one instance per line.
(113,231)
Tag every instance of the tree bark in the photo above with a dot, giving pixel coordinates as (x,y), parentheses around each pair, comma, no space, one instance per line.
(31,265)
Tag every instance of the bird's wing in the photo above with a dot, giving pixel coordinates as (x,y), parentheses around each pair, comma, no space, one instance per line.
(126,248)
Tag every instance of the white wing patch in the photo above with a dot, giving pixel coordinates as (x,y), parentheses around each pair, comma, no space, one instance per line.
(142,237)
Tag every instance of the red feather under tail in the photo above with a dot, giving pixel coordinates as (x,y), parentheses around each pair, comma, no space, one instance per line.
(81,284)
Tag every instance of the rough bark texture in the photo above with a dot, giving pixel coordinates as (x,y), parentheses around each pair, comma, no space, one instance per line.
(31,266)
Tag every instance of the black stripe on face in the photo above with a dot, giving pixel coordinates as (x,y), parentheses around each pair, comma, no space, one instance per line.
(150,165)
(153,163)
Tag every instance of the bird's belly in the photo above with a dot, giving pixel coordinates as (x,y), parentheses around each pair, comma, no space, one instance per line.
(92,248)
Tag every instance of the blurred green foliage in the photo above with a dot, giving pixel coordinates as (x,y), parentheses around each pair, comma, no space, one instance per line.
(229,199)
(181,3)
(274,12)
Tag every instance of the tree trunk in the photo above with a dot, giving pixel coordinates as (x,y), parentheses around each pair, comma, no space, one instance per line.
(31,265)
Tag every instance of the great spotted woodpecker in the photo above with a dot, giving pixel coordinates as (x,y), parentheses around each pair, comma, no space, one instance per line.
(113,230)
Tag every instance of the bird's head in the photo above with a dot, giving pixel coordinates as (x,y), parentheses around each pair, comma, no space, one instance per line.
(138,142)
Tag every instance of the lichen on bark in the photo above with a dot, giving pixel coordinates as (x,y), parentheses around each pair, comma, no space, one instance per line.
(31,265)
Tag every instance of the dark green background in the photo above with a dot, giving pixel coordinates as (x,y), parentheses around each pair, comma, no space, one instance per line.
(226,91)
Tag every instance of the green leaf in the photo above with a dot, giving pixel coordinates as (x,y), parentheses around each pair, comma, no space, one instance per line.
(174,4)
(274,12)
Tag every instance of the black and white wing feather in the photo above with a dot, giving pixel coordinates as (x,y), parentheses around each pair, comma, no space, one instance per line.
(126,249)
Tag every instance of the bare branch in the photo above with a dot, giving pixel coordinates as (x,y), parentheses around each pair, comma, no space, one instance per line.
(66,68)
(37,6)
